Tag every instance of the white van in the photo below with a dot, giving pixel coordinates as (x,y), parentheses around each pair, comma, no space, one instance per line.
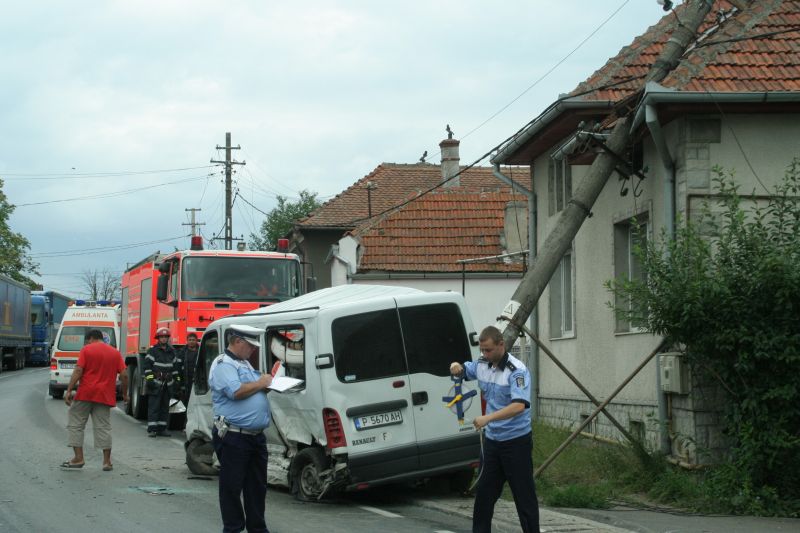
(80,317)
(375,364)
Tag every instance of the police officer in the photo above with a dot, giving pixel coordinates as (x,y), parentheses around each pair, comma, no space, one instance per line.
(241,414)
(506,450)
(162,374)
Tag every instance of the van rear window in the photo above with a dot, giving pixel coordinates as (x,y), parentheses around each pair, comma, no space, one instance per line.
(71,338)
(368,346)
(435,337)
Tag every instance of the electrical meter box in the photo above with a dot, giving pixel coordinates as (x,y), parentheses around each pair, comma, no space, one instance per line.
(674,373)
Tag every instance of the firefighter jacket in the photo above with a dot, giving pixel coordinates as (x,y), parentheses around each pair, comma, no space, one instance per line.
(163,367)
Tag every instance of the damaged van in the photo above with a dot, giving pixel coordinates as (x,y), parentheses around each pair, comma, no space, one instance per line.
(375,404)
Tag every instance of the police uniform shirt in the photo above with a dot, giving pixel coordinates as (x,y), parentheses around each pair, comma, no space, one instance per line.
(227,374)
(509,381)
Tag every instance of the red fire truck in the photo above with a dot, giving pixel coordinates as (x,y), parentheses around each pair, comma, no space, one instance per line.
(184,291)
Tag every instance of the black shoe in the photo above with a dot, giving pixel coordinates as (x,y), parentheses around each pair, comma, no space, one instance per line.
(151,434)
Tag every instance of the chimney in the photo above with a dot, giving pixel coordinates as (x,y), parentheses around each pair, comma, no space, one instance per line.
(450,159)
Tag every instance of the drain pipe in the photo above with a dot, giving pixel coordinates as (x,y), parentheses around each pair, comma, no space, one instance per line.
(654,126)
(532,214)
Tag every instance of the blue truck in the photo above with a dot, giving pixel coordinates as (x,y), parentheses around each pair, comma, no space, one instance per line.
(47,310)
(15,323)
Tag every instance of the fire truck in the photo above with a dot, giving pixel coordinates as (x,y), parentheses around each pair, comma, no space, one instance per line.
(185,291)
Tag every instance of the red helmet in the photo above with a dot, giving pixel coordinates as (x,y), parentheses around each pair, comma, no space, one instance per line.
(162,331)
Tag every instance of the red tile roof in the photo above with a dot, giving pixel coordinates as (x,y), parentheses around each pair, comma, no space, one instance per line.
(431,233)
(746,51)
(393,184)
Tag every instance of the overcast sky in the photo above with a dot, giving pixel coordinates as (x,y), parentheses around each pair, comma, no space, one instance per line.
(316,93)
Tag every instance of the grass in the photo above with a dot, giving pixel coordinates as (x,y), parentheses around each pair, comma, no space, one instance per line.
(591,474)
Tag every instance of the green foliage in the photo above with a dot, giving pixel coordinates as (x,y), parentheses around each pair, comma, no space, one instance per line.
(14,259)
(280,220)
(727,288)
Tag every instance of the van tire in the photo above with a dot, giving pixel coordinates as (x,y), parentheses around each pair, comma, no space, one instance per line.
(199,458)
(57,394)
(305,479)
(137,400)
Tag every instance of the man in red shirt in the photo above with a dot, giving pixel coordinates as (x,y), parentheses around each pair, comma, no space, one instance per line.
(97,370)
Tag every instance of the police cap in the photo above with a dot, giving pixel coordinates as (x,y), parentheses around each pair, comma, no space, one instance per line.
(248,333)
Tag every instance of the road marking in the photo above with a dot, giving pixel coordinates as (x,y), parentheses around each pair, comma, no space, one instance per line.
(381,512)
(443,531)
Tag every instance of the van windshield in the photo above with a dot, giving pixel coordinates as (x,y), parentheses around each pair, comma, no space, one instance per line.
(37,314)
(251,279)
(71,338)
(371,346)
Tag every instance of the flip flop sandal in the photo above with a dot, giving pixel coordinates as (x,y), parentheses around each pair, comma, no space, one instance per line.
(67,464)
(108,468)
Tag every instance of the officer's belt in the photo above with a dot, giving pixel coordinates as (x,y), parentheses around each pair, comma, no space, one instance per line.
(244,431)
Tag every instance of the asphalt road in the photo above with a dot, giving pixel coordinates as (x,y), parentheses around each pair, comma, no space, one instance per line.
(150,488)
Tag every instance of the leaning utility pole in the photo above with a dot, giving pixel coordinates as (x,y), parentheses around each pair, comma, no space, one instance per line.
(228,194)
(579,207)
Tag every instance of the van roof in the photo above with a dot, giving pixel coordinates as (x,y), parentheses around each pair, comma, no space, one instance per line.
(334,297)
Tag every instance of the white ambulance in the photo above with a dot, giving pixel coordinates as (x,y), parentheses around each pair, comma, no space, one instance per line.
(80,317)
(373,405)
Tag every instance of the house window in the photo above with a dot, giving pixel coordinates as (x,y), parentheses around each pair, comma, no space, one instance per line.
(629,235)
(561,299)
(559,173)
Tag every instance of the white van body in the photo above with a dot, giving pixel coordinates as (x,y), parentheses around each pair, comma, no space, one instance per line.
(78,319)
(375,364)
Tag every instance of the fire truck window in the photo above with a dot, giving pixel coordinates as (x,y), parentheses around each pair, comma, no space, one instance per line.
(173,282)
(209,350)
(287,347)
(230,279)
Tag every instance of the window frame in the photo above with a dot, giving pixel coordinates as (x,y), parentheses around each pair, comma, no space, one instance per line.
(565,279)
(625,262)
(559,183)
(271,358)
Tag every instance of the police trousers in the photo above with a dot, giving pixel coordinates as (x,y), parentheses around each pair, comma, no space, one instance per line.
(502,461)
(242,478)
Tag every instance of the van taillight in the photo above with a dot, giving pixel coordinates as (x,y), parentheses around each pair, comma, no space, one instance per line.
(53,365)
(334,433)
(483,405)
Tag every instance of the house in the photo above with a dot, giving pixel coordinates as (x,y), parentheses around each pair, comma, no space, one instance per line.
(733,100)
(410,225)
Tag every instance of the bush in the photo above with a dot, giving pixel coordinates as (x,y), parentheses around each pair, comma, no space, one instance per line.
(727,288)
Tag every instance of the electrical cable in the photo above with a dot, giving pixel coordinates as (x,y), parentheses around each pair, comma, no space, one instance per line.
(92,175)
(102,249)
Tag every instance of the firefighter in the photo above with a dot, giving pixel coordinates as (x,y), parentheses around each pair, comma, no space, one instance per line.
(163,368)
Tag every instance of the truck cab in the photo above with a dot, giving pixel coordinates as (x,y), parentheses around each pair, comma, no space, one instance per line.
(371,409)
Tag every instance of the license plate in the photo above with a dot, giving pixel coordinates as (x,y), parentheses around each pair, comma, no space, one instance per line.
(67,366)
(377,420)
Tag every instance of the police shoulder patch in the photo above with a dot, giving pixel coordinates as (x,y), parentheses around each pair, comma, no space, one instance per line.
(520,381)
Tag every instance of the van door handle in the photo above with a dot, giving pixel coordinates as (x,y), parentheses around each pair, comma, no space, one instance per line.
(419,398)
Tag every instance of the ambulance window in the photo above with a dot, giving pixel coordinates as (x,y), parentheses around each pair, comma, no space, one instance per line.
(368,346)
(209,350)
(287,346)
(434,337)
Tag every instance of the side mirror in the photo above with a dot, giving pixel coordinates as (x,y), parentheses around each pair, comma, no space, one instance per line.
(311,284)
(324,361)
(473,339)
(161,288)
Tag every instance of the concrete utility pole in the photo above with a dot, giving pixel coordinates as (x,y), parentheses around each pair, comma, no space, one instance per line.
(193,224)
(228,194)
(579,207)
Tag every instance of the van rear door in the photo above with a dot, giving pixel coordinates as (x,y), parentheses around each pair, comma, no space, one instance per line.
(369,389)
(435,335)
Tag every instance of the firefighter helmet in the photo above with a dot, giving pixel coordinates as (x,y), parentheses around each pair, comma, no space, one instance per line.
(162,331)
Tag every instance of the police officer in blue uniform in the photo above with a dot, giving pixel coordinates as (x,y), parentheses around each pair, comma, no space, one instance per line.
(506,451)
(241,414)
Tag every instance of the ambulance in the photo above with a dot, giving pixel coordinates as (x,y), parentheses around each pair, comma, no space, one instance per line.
(376,404)
(80,317)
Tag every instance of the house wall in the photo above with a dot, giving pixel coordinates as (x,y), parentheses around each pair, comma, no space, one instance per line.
(314,248)
(602,358)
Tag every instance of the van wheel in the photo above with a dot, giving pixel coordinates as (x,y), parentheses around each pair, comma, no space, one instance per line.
(199,458)
(138,402)
(461,481)
(306,468)
(57,394)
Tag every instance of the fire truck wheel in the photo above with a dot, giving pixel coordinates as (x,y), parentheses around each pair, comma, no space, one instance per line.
(199,458)
(138,402)
(306,468)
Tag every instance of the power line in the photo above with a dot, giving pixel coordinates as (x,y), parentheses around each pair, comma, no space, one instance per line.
(92,175)
(102,249)
(112,194)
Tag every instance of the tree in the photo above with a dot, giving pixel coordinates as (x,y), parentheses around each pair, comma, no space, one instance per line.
(101,284)
(726,288)
(14,259)
(280,220)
